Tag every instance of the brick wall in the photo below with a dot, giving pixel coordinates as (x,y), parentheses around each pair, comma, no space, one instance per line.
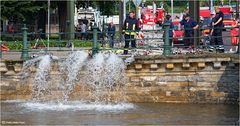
(202,79)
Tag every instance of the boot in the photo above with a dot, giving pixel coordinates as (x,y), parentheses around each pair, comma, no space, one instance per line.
(220,49)
(125,52)
(211,48)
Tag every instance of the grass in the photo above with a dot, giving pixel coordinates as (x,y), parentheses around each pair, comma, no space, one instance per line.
(17,45)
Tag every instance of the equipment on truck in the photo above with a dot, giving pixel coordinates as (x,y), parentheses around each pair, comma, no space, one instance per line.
(89,17)
(150,18)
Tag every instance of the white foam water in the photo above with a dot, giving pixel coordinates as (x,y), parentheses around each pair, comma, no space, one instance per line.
(76,106)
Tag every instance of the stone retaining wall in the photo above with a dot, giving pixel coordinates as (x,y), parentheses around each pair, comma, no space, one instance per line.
(203,79)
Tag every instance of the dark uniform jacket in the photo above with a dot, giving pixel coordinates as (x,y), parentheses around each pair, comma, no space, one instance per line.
(188,26)
(131,26)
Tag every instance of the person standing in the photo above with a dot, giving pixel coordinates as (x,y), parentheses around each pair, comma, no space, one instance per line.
(83,28)
(212,41)
(234,34)
(217,29)
(189,26)
(130,31)
(111,34)
(78,30)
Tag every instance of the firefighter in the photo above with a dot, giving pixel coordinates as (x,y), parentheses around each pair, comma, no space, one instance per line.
(189,25)
(130,30)
(211,29)
(217,32)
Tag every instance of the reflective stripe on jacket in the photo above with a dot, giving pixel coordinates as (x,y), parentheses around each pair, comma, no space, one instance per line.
(131,26)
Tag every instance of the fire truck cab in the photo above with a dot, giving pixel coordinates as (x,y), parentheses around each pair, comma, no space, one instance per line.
(147,16)
(150,18)
(159,16)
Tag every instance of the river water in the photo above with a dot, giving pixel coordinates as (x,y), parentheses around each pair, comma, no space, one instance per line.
(77,113)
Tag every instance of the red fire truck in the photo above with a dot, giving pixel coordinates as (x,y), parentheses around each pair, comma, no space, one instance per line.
(147,16)
(150,18)
(159,16)
(178,34)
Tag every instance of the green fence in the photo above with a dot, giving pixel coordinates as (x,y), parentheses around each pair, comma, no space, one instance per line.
(26,42)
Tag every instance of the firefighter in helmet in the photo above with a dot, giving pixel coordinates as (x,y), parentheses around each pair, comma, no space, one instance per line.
(130,30)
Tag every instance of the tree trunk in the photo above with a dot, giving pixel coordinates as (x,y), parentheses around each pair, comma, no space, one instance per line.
(42,22)
(62,11)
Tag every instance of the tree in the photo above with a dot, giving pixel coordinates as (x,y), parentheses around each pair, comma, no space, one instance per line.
(62,11)
(85,4)
(28,12)
(107,7)
(21,10)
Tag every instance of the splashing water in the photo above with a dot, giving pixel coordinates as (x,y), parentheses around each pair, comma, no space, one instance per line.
(105,76)
(115,70)
(115,78)
(94,74)
(72,66)
(40,85)
(26,67)
(102,77)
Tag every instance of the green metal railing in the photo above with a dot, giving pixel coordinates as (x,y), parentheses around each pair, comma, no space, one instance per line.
(25,44)
(167,48)
(94,42)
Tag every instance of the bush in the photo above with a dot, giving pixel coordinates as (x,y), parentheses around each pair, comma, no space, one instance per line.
(63,43)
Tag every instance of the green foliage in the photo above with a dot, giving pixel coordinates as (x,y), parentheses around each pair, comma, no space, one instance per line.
(11,37)
(21,10)
(107,7)
(63,43)
(85,4)
(17,45)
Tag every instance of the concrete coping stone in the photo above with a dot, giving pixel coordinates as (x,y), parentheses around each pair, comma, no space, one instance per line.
(153,66)
(138,66)
(201,65)
(217,64)
(208,57)
(170,66)
(186,65)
